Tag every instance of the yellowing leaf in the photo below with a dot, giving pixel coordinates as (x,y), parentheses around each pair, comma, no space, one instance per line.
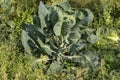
(113,38)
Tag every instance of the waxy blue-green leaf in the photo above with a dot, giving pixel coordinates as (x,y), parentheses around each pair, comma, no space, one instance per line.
(88,17)
(57,13)
(80,25)
(55,67)
(92,39)
(54,17)
(57,28)
(69,20)
(80,15)
(42,12)
(45,47)
(24,39)
(65,29)
(66,6)
(28,38)
(60,15)
(74,37)
(36,21)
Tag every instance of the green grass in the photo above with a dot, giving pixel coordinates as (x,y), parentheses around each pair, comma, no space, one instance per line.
(15,65)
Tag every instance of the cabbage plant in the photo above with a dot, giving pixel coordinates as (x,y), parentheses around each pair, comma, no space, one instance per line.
(62,33)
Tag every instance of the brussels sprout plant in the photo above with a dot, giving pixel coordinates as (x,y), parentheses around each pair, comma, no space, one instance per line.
(62,33)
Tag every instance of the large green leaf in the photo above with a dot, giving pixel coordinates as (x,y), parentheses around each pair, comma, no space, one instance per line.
(66,6)
(88,17)
(55,67)
(32,39)
(69,20)
(90,59)
(28,37)
(42,12)
(65,29)
(54,17)
(57,28)
(74,37)
(92,38)
(81,44)
(36,21)
(80,15)
(57,13)
(45,47)
(24,39)
(80,25)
